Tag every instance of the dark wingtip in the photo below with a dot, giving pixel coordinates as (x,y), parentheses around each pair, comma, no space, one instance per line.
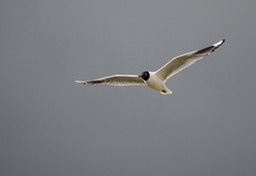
(100,81)
(211,48)
(223,40)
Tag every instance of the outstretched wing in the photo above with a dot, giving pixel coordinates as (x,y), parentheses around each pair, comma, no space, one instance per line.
(116,80)
(183,61)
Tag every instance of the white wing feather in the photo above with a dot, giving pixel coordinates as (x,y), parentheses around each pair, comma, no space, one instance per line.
(116,80)
(183,61)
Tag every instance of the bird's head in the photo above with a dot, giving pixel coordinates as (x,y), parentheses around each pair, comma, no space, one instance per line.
(144,75)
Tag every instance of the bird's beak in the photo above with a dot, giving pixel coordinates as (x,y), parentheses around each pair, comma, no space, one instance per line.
(139,76)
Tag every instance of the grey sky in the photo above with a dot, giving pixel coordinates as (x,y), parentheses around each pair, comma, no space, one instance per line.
(51,126)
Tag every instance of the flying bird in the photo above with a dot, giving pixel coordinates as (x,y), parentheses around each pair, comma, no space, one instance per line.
(156,80)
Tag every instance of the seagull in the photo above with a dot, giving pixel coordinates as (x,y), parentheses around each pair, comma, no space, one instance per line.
(157,79)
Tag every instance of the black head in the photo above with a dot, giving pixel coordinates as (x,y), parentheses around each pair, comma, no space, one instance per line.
(145,75)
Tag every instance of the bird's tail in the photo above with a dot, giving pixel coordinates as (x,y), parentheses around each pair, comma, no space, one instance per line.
(166,91)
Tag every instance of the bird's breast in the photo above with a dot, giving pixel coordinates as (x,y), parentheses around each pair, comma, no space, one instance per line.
(155,83)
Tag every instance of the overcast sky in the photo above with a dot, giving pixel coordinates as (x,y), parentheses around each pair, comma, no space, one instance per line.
(51,126)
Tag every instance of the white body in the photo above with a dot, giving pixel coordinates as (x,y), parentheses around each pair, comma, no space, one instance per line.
(157,84)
